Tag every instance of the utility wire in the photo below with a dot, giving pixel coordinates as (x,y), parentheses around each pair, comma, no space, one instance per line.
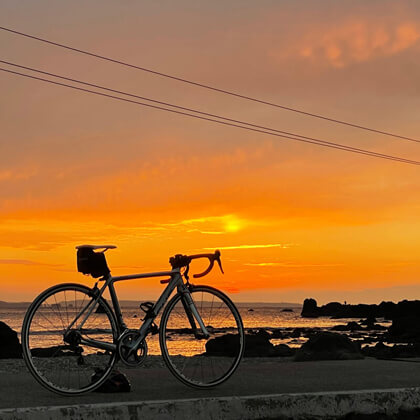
(329,144)
(202,85)
(187,109)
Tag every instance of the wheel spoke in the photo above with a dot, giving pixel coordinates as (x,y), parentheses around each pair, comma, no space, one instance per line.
(68,368)
(194,361)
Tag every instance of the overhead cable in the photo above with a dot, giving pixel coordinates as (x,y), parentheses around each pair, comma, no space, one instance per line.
(287,133)
(213,88)
(316,142)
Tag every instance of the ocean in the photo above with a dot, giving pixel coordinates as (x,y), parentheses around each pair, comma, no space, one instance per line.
(254,317)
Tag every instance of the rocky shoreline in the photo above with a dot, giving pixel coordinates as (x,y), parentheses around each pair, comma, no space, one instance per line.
(388,330)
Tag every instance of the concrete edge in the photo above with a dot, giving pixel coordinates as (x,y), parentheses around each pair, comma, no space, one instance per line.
(297,406)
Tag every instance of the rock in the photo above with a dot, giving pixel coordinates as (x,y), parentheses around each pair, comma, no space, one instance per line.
(351,326)
(406,328)
(387,310)
(380,350)
(277,333)
(256,345)
(371,320)
(283,350)
(224,345)
(333,309)
(328,346)
(56,351)
(287,310)
(10,348)
(375,327)
(310,309)
(116,382)
(264,333)
(297,332)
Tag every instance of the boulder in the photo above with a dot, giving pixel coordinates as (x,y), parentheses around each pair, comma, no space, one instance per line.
(10,348)
(224,345)
(277,333)
(380,350)
(328,346)
(256,345)
(310,309)
(283,350)
(406,328)
(371,320)
(297,332)
(351,326)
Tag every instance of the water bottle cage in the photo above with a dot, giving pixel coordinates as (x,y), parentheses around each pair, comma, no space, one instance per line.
(147,308)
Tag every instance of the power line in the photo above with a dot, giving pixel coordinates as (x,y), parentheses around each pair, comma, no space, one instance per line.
(202,85)
(330,145)
(287,133)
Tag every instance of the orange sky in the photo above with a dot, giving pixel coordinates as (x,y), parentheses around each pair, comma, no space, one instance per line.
(292,220)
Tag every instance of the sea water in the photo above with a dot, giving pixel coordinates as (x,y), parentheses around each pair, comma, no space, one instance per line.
(254,318)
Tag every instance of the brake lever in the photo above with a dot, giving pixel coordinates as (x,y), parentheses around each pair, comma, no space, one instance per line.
(217,258)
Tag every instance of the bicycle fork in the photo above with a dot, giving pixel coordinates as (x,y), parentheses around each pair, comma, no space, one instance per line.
(193,314)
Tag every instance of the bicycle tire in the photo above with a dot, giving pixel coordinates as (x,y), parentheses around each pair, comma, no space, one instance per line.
(62,368)
(202,363)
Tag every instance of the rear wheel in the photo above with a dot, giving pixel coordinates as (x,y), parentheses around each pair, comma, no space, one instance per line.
(53,348)
(197,361)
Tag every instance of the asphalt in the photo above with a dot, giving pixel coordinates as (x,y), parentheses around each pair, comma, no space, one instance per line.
(254,377)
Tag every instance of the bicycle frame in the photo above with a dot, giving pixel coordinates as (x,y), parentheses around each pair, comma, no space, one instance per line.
(175,281)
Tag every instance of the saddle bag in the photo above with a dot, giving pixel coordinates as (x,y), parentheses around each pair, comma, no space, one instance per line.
(92,263)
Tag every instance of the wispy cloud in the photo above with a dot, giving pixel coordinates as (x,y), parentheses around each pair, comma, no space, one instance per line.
(284,246)
(209,225)
(26,262)
(353,41)
(289,265)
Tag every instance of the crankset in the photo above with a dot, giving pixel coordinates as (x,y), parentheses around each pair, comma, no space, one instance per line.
(128,355)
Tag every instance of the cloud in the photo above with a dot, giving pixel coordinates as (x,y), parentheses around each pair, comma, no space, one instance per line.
(26,262)
(289,265)
(18,174)
(284,246)
(211,225)
(352,41)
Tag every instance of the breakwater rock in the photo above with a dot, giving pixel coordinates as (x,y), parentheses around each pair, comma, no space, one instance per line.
(328,346)
(10,347)
(387,310)
(256,345)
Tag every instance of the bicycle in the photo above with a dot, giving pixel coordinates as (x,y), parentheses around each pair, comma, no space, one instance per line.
(72,337)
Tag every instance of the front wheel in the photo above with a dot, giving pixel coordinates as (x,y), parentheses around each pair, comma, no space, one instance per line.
(198,361)
(53,334)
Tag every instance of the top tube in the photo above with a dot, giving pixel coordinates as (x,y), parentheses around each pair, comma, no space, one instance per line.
(145,275)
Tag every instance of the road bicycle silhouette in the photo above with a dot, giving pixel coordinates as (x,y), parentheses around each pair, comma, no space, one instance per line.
(72,337)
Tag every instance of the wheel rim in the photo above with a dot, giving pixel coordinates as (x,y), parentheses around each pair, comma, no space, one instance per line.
(67,367)
(203,362)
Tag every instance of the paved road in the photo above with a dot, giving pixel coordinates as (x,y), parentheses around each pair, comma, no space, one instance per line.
(267,376)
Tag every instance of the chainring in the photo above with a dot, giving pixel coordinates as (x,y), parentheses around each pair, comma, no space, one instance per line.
(135,357)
